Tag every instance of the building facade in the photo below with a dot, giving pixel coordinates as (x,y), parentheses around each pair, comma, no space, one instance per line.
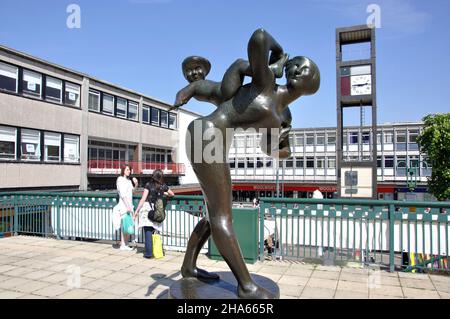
(62,129)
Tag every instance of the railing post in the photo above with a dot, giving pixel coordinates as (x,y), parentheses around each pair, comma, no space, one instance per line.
(58,218)
(15,217)
(391,237)
(261,230)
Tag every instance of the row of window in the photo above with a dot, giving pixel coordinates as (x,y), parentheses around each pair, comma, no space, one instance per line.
(300,162)
(36,85)
(299,139)
(35,145)
(117,106)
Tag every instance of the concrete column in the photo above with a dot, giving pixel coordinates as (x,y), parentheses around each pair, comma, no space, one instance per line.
(138,152)
(84,134)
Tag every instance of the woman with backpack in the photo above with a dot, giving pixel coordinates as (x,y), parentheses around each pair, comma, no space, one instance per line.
(151,218)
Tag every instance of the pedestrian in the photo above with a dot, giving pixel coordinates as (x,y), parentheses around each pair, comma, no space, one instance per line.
(153,192)
(125,185)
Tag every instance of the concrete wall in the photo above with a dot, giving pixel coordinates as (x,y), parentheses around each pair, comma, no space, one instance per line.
(17,175)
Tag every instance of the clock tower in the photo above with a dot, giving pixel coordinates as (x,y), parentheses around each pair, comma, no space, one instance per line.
(356,88)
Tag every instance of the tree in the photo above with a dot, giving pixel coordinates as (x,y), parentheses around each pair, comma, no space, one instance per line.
(435,142)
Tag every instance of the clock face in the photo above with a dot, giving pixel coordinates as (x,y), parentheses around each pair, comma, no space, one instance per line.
(361,84)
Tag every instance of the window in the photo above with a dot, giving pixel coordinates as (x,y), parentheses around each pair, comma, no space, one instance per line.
(331,138)
(353,137)
(269,162)
(389,161)
(164,120)
(401,161)
(331,163)
(289,163)
(94,101)
(365,137)
(309,139)
(379,161)
(299,162)
(232,163)
(250,162)
(378,138)
(52,147)
(172,121)
(320,162)
(259,162)
(155,116)
(53,89)
(240,141)
(30,145)
(145,114)
(320,139)
(9,75)
(121,108)
(7,143)
(413,136)
(414,161)
(240,162)
(401,137)
(71,149)
(388,138)
(299,140)
(108,104)
(133,111)
(310,162)
(32,84)
(72,94)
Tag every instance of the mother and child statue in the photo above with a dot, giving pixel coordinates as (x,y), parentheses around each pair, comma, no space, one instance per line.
(261,105)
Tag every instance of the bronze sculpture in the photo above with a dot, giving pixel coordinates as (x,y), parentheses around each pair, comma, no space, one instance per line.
(261,104)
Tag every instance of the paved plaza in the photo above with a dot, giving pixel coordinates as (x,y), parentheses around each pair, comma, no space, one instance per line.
(35,267)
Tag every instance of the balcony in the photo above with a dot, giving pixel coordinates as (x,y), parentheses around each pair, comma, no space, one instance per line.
(112,167)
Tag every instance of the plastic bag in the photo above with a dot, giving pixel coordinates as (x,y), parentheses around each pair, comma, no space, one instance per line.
(128,224)
(157,246)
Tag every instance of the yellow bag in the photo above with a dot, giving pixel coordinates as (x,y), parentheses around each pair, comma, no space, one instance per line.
(157,246)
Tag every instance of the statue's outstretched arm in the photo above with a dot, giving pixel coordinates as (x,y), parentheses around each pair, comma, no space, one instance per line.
(202,90)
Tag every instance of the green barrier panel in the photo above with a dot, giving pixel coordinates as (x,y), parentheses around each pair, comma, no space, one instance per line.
(245,224)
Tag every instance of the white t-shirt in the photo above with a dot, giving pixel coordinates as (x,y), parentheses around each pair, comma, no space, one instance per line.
(125,189)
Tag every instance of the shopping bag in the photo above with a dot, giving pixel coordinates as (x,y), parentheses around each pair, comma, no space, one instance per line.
(157,246)
(128,224)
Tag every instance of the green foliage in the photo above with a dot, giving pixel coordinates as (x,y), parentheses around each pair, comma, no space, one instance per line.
(435,142)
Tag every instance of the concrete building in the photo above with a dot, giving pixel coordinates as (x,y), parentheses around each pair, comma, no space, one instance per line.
(62,129)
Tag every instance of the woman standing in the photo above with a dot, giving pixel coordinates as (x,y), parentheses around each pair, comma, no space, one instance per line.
(153,190)
(125,186)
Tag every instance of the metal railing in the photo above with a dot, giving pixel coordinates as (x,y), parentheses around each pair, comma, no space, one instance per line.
(390,234)
(410,236)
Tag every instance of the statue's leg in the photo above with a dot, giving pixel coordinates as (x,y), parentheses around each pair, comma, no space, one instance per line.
(233,78)
(216,184)
(198,238)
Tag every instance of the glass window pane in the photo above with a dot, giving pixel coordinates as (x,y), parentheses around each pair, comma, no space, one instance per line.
(401,137)
(164,119)
(155,116)
(320,138)
(365,137)
(145,114)
(299,140)
(121,110)
(172,121)
(310,162)
(8,143)
(309,139)
(32,84)
(320,162)
(53,89)
(72,94)
(331,139)
(94,101)
(108,104)
(8,77)
(52,144)
(389,161)
(71,149)
(388,137)
(331,162)
(353,137)
(133,110)
(30,145)
(299,162)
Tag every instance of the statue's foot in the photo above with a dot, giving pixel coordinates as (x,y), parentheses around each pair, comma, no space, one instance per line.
(199,274)
(254,291)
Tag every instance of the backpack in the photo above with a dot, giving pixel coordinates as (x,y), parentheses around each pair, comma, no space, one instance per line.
(157,212)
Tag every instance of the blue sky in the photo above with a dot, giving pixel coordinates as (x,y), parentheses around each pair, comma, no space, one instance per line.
(140,44)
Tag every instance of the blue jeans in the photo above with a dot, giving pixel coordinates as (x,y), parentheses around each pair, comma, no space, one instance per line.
(148,232)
